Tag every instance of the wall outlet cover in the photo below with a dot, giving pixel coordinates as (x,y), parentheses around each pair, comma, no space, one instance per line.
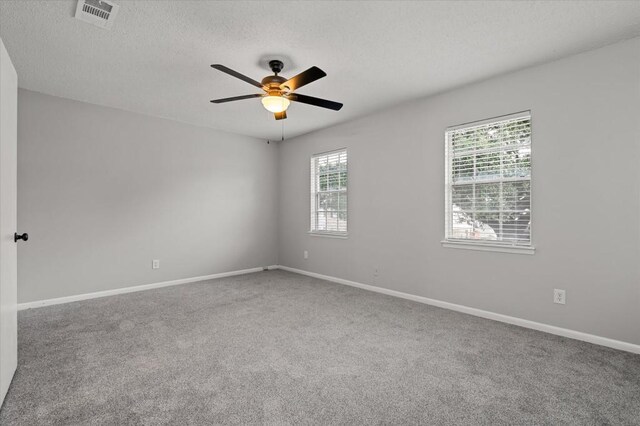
(155,264)
(559,296)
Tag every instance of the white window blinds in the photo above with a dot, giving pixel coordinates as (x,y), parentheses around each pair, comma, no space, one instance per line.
(488,181)
(329,193)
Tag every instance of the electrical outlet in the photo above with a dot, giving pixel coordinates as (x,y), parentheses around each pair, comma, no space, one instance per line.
(306,254)
(155,264)
(559,296)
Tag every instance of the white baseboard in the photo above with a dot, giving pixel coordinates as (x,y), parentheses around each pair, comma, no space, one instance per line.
(123,290)
(565,332)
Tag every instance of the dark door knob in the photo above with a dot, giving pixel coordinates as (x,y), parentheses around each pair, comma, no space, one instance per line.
(23,237)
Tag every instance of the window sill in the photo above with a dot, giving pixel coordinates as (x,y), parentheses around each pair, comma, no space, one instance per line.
(489,247)
(328,235)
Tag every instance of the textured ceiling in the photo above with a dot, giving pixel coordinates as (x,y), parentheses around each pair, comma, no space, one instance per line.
(155,60)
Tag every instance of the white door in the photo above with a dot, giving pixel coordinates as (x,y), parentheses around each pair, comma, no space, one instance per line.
(8,219)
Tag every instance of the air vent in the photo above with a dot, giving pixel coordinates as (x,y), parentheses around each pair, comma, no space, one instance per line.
(100,13)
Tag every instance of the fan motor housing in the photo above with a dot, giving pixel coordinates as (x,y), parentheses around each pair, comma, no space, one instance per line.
(273,82)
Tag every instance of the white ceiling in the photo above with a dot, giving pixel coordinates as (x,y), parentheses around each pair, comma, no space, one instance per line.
(155,60)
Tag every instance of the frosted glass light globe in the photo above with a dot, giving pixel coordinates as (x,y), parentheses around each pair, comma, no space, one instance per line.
(275,103)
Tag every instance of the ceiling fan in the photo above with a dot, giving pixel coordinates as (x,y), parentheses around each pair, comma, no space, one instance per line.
(279,92)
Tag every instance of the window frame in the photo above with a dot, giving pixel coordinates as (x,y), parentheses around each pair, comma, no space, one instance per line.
(485,245)
(314,195)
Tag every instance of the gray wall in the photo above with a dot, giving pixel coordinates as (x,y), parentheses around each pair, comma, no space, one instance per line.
(586,204)
(102,192)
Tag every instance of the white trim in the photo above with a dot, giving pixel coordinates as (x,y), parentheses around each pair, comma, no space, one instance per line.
(565,332)
(488,247)
(551,329)
(322,154)
(449,184)
(123,290)
(343,236)
(498,119)
(314,190)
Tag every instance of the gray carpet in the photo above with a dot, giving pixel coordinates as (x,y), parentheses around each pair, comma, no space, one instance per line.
(280,348)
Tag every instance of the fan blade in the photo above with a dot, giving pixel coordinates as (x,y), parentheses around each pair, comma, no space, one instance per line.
(236,98)
(236,74)
(305,77)
(280,115)
(315,101)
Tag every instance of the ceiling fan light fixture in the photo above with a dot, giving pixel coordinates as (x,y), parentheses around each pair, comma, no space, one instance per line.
(275,103)
(280,92)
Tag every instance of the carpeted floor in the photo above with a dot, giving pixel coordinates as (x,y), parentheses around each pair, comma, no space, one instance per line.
(281,348)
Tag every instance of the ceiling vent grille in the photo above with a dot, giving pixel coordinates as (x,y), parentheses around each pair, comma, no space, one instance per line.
(100,13)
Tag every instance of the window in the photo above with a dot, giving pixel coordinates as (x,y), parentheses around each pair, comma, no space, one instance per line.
(488,184)
(329,193)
